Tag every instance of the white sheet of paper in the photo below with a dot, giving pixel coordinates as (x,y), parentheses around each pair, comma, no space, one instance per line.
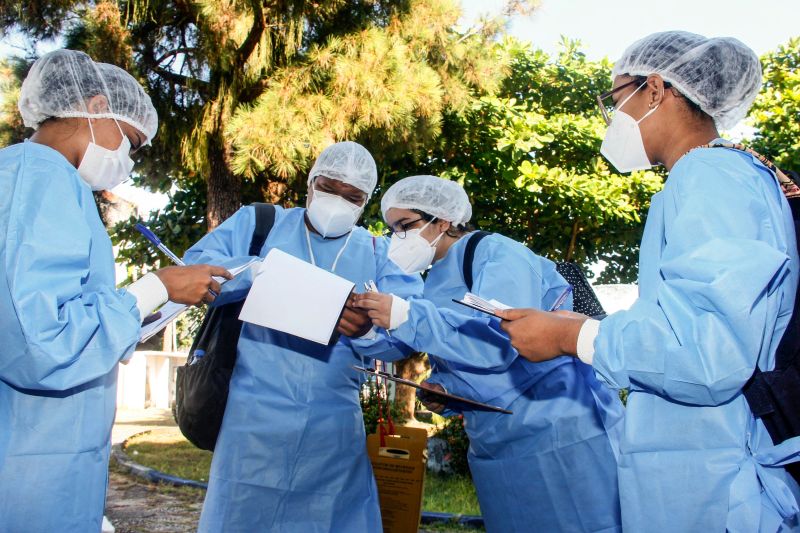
(296,297)
(170,310)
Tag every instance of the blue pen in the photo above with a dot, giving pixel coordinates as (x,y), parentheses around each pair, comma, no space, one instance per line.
(150,236)
(561,299)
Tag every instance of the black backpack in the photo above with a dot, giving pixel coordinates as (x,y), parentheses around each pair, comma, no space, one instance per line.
(584,299)
(201,388)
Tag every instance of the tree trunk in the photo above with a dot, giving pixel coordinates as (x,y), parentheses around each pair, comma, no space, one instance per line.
(572,240)
(224,195)
(411,368)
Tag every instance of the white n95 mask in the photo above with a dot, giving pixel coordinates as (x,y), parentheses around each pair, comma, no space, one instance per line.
(623,145)
(414,253)
(103,169)
(331,215)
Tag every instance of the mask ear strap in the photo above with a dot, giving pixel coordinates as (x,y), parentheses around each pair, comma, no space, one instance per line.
(653,110)
(435,241)
(639,88)
(91,130)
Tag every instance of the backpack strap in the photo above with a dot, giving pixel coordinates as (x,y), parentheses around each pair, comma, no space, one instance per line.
(265,219)
(790,188)
(469,255)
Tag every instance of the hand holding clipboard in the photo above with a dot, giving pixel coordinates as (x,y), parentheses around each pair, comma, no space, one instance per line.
(445,396)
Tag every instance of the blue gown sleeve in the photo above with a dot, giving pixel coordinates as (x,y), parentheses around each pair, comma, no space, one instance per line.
(228,246)
(74,332)
(699,342)
(471,338)
(391,280)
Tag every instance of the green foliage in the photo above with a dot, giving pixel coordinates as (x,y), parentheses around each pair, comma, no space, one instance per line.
(180,224)
(529,159)
(454,434)
(386,86)
(776,112)
(257,89)
(11,128)
(374,407)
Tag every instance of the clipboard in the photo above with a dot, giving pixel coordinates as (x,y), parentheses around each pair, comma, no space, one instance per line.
(155,322)
(490,307)
(445,395)
(475,307)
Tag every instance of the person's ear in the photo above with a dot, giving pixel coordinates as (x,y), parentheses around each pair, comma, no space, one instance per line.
(654,90)
(97,104)
(444,225)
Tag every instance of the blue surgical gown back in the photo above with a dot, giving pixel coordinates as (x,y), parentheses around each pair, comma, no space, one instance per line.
(718,271)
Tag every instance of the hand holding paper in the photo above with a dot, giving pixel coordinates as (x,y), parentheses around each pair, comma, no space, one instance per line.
(354,322)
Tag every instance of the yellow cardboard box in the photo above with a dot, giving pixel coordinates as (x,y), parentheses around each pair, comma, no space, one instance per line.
(399,469)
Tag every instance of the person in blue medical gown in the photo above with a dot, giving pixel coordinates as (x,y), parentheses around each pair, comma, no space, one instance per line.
(718,272)
(64,324)
(291,454)
(549,466)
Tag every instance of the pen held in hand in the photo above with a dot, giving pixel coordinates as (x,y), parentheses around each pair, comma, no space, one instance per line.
(561,299)
(155,241)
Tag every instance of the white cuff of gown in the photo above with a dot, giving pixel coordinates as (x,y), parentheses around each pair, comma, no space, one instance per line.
(149,292)
(399,312)
(370,335)
(586,338)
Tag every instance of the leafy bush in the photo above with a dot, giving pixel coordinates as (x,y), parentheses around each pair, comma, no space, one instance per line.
(454,434)
(374,403)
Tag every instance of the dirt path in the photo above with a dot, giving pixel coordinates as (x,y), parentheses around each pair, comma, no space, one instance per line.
(135,506)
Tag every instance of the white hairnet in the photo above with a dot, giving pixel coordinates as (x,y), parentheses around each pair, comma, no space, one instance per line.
(721,75)
(347,162)
(60,83)
(444,199)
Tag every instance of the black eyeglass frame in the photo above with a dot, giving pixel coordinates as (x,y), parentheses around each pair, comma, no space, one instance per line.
(405,227)
(608,94)
(638,79)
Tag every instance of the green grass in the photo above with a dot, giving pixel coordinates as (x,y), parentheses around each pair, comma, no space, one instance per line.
(168,451)
(450,494)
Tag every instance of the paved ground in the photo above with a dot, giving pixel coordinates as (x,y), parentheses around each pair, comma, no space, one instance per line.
(132,421)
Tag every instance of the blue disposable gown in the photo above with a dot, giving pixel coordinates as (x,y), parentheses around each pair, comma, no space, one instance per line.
(64,327)
(550,466)
(291,454)
(717,277)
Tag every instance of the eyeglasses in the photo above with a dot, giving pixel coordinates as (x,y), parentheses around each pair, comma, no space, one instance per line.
(606,106)
(401,229)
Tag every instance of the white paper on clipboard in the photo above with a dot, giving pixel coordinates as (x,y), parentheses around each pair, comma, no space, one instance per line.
(170,310)
(296,297)
(490,307)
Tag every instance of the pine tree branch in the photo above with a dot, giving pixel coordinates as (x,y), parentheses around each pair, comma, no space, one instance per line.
(174,53)
(253,38)
(180,79)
